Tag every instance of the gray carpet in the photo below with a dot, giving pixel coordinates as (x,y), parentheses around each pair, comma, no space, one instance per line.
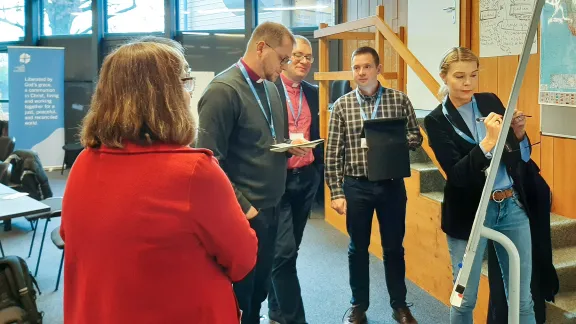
(322,268)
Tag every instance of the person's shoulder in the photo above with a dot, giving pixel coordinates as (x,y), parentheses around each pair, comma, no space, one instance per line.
(394,92)
(310,85)
(436,113)
(343,100)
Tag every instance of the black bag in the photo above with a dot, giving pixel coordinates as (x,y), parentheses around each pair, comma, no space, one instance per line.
(17,293)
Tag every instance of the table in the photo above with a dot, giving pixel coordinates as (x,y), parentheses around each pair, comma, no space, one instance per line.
(21,206)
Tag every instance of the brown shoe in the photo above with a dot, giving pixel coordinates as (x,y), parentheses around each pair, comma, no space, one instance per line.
(404,316)
(354,315)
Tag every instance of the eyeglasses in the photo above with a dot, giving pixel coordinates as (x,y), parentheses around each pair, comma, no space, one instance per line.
(283,61)
(300,56)
(189,81)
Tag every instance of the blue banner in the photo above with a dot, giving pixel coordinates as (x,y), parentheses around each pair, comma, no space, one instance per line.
(36,88)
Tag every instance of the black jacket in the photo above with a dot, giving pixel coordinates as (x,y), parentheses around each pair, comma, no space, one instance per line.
(464,164)
(28,172)
(311,94)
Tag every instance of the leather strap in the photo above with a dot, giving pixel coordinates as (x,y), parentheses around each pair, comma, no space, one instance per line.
(501,195)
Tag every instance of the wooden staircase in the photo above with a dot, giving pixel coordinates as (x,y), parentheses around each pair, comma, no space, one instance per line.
(427,257)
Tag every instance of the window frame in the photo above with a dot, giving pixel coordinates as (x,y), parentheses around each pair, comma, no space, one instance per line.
(4,45)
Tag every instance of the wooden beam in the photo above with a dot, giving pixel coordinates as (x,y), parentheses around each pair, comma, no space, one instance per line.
(401,64)
(345,27)
(426,147)
(384,82)
(323,85)
(347,75)
(466,23)
(379,41)
(408,57)
(353,36)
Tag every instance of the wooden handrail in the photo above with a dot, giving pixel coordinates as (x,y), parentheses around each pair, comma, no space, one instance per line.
(347,75)
(345,27)
(352,36)
(407,56)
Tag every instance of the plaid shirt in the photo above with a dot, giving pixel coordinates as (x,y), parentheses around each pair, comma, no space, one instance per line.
(344,156)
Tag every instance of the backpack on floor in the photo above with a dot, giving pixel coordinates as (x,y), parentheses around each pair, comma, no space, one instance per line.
(17,293)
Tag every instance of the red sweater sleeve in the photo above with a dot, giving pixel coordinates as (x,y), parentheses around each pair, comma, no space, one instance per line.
(222,225)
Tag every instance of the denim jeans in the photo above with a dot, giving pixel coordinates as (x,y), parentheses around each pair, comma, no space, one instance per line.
(388,198)
(508,218)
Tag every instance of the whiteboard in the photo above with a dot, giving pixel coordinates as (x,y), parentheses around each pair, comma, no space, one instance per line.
(430,44)
(503,27)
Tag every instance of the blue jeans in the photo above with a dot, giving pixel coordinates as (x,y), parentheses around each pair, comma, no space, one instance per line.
(508,218)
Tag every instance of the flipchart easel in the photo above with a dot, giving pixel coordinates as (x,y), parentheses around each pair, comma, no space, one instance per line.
(478,228)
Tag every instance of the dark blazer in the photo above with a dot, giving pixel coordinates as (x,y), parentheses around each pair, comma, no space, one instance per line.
(311,94)
(465,163)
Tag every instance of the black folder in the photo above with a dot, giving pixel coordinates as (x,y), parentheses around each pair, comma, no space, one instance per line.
(388,152)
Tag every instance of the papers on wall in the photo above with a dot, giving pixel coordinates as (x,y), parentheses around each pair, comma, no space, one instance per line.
(503,27)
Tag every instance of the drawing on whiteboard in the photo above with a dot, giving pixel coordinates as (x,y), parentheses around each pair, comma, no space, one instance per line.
(503,26)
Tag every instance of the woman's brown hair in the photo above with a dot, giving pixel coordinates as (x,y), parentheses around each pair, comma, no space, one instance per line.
(455,54)
(140,97)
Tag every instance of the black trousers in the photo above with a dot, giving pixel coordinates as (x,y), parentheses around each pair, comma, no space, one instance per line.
(498,304)
(253,289)
(388,198)
(285,298)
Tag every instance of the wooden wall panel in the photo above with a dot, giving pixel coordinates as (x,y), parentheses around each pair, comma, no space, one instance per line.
(528,103)
(507,66)
(564,190)
(488,76)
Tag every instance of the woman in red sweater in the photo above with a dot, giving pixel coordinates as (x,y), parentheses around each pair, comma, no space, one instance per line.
(153,231)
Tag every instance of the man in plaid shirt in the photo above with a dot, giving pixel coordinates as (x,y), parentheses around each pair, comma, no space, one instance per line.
(357,197)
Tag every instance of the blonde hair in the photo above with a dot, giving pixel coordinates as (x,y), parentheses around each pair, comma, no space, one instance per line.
(140,97)
(272,33)
(455,54)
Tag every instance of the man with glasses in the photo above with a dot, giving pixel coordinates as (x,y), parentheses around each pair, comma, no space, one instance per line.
(301,103)
(241,115)
(355,196)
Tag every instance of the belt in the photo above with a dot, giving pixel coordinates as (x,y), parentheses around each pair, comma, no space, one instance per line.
(501,195)
(299,170)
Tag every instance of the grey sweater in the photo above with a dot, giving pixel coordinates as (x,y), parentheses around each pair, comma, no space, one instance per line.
(233,126)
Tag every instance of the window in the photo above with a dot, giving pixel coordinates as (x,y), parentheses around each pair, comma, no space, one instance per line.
(135,16)
(3,86)
(67,17)
(12,19)
(3,76)
(297,13)
(211,14)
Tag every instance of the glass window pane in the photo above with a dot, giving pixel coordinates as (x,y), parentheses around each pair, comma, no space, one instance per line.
(135,16)
(67,17)
(211,14)
(3,76)
(12,19)
(297,13)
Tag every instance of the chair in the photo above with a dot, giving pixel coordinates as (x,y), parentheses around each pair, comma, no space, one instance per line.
(6,147)
(55,204)
(71,151)
(338,89)
(59,242)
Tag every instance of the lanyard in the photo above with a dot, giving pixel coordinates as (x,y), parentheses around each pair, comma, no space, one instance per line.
(456,129)
(376,105)
(270,120)
(296,118)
